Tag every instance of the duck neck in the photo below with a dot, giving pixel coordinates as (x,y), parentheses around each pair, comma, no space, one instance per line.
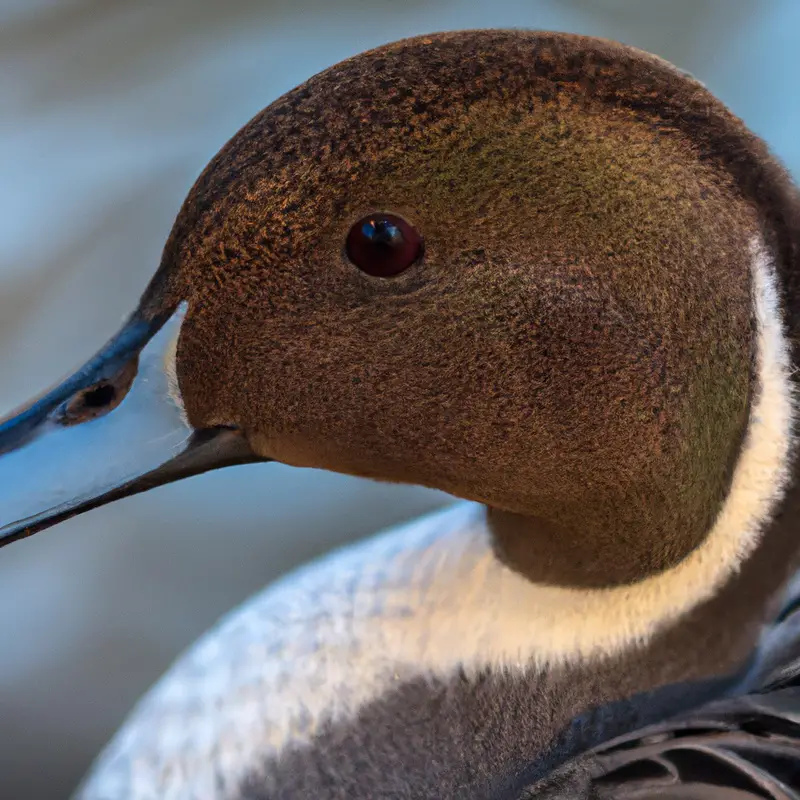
(680,538)
(597,546)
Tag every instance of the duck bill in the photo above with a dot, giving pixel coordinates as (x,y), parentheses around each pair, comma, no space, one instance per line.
(113,429)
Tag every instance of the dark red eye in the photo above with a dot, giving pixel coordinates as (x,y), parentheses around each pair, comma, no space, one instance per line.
(383,245)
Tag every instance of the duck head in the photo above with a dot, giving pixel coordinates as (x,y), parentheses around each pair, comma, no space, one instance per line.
(514,267)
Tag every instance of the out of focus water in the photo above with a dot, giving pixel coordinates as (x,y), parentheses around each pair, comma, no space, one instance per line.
(110,108)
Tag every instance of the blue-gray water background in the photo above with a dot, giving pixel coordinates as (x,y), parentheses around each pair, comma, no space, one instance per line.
(110,108)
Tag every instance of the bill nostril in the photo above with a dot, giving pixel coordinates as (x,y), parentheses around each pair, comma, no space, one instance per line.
(99,399)
(100,396)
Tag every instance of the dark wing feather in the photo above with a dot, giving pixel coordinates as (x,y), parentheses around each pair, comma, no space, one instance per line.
(743,747)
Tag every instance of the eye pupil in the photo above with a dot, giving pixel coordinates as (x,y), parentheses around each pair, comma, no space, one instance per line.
(383,232)
(383,245)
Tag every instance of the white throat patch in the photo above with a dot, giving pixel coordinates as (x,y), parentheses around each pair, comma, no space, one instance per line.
(424,599)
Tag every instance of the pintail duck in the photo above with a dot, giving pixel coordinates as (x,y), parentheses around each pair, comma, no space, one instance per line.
(550,275)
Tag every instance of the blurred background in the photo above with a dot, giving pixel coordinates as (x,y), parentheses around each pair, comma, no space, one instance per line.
(110,108)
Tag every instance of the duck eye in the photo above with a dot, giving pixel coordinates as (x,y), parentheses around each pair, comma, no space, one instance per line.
(383,245)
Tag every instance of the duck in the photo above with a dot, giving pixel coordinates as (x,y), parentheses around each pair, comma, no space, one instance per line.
(550,275)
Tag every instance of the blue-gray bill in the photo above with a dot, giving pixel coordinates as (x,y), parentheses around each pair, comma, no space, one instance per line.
(111,430)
